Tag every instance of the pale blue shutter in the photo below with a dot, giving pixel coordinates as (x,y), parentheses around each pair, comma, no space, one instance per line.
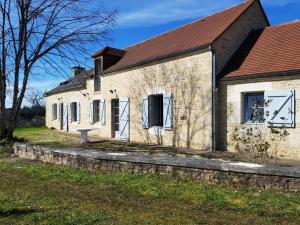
(145,112)
(280,108)
(65,119)
(78,112)
(58,111)
(124,118)
(168,111)
(70,112)
(91,110)
(102,112)
(52,111)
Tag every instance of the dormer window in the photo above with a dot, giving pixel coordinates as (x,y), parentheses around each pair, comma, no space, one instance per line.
(98,71)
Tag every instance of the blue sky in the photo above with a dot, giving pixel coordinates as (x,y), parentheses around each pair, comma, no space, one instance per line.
(139,20)
(142,19)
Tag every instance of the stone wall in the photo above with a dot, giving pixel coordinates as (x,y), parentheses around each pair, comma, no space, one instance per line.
(201,173)
(230,108)
(229,42)
(128,83)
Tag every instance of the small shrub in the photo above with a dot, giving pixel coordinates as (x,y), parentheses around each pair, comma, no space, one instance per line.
(259,141)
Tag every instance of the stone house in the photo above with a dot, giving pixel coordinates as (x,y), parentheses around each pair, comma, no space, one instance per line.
(177,88)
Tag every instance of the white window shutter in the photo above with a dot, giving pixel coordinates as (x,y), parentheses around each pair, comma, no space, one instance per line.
(124,118)
(91,110)
(78,112)
(58,111)
(280,108)
(168,111)
(145,112)
(70,113)
(102,112)
(52,106)
(65,121)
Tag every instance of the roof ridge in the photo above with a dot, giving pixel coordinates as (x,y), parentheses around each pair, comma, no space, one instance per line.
(284,24)
(250,2)
(191,22)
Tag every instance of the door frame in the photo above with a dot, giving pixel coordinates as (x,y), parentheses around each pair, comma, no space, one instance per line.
(113,113)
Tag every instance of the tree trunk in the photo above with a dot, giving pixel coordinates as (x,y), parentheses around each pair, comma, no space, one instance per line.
(2,111)
(3,72)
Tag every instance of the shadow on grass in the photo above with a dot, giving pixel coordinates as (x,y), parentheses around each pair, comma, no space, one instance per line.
(6,142)
(116,145)
(18,212)
(16,139)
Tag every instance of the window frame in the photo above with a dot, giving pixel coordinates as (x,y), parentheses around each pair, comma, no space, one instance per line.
(245,96)
(54,111)
(160,110)
(73,107)
(97,74)
(96,111)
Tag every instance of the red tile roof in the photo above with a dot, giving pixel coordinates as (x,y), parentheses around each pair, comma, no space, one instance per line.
(185,38)
(271,50)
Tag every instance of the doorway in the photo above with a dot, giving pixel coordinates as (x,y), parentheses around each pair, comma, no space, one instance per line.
(115,122)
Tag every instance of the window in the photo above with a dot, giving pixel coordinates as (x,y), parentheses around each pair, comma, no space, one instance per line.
(54,111)
(97,77)
(156,110)
(96,113)
(73,107)
(254,108)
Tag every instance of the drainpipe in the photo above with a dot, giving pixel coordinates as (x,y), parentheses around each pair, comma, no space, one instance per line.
(214,96)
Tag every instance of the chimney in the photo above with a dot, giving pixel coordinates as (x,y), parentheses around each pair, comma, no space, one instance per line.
(77,69)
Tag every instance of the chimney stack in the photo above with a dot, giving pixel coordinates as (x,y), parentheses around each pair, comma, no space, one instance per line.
(77,69)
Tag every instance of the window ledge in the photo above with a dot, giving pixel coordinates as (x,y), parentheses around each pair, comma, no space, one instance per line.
(157,127)
(251,124)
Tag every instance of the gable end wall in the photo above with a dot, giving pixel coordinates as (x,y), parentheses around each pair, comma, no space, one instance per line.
(229,42)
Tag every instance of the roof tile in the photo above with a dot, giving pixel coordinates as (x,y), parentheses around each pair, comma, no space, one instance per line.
(274,49)
(192,35)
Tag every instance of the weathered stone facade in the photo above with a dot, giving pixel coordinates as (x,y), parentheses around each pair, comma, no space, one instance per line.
(212,173)
(192,120)
(230,108)
(126,83)
(228,43)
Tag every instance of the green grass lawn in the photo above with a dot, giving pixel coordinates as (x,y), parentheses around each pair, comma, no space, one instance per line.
(54,138)
(36,193)
(45,136)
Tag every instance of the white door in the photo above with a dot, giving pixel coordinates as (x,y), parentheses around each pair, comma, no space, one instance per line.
(124,119)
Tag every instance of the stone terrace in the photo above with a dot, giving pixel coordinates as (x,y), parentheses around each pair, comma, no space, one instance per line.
(194,168)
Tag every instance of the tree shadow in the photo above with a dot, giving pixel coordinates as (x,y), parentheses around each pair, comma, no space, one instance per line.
(18,212)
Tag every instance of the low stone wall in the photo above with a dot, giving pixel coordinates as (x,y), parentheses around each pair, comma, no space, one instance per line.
(203,172)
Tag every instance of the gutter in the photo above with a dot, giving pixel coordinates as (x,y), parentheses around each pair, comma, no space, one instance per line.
(142,63)
(262,75)
(47,94)
(214,97)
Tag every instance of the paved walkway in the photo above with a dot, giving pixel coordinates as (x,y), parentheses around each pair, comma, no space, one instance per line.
(180,161)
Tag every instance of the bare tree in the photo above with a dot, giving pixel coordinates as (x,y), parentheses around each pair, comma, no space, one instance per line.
(35,97)
(44,33)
